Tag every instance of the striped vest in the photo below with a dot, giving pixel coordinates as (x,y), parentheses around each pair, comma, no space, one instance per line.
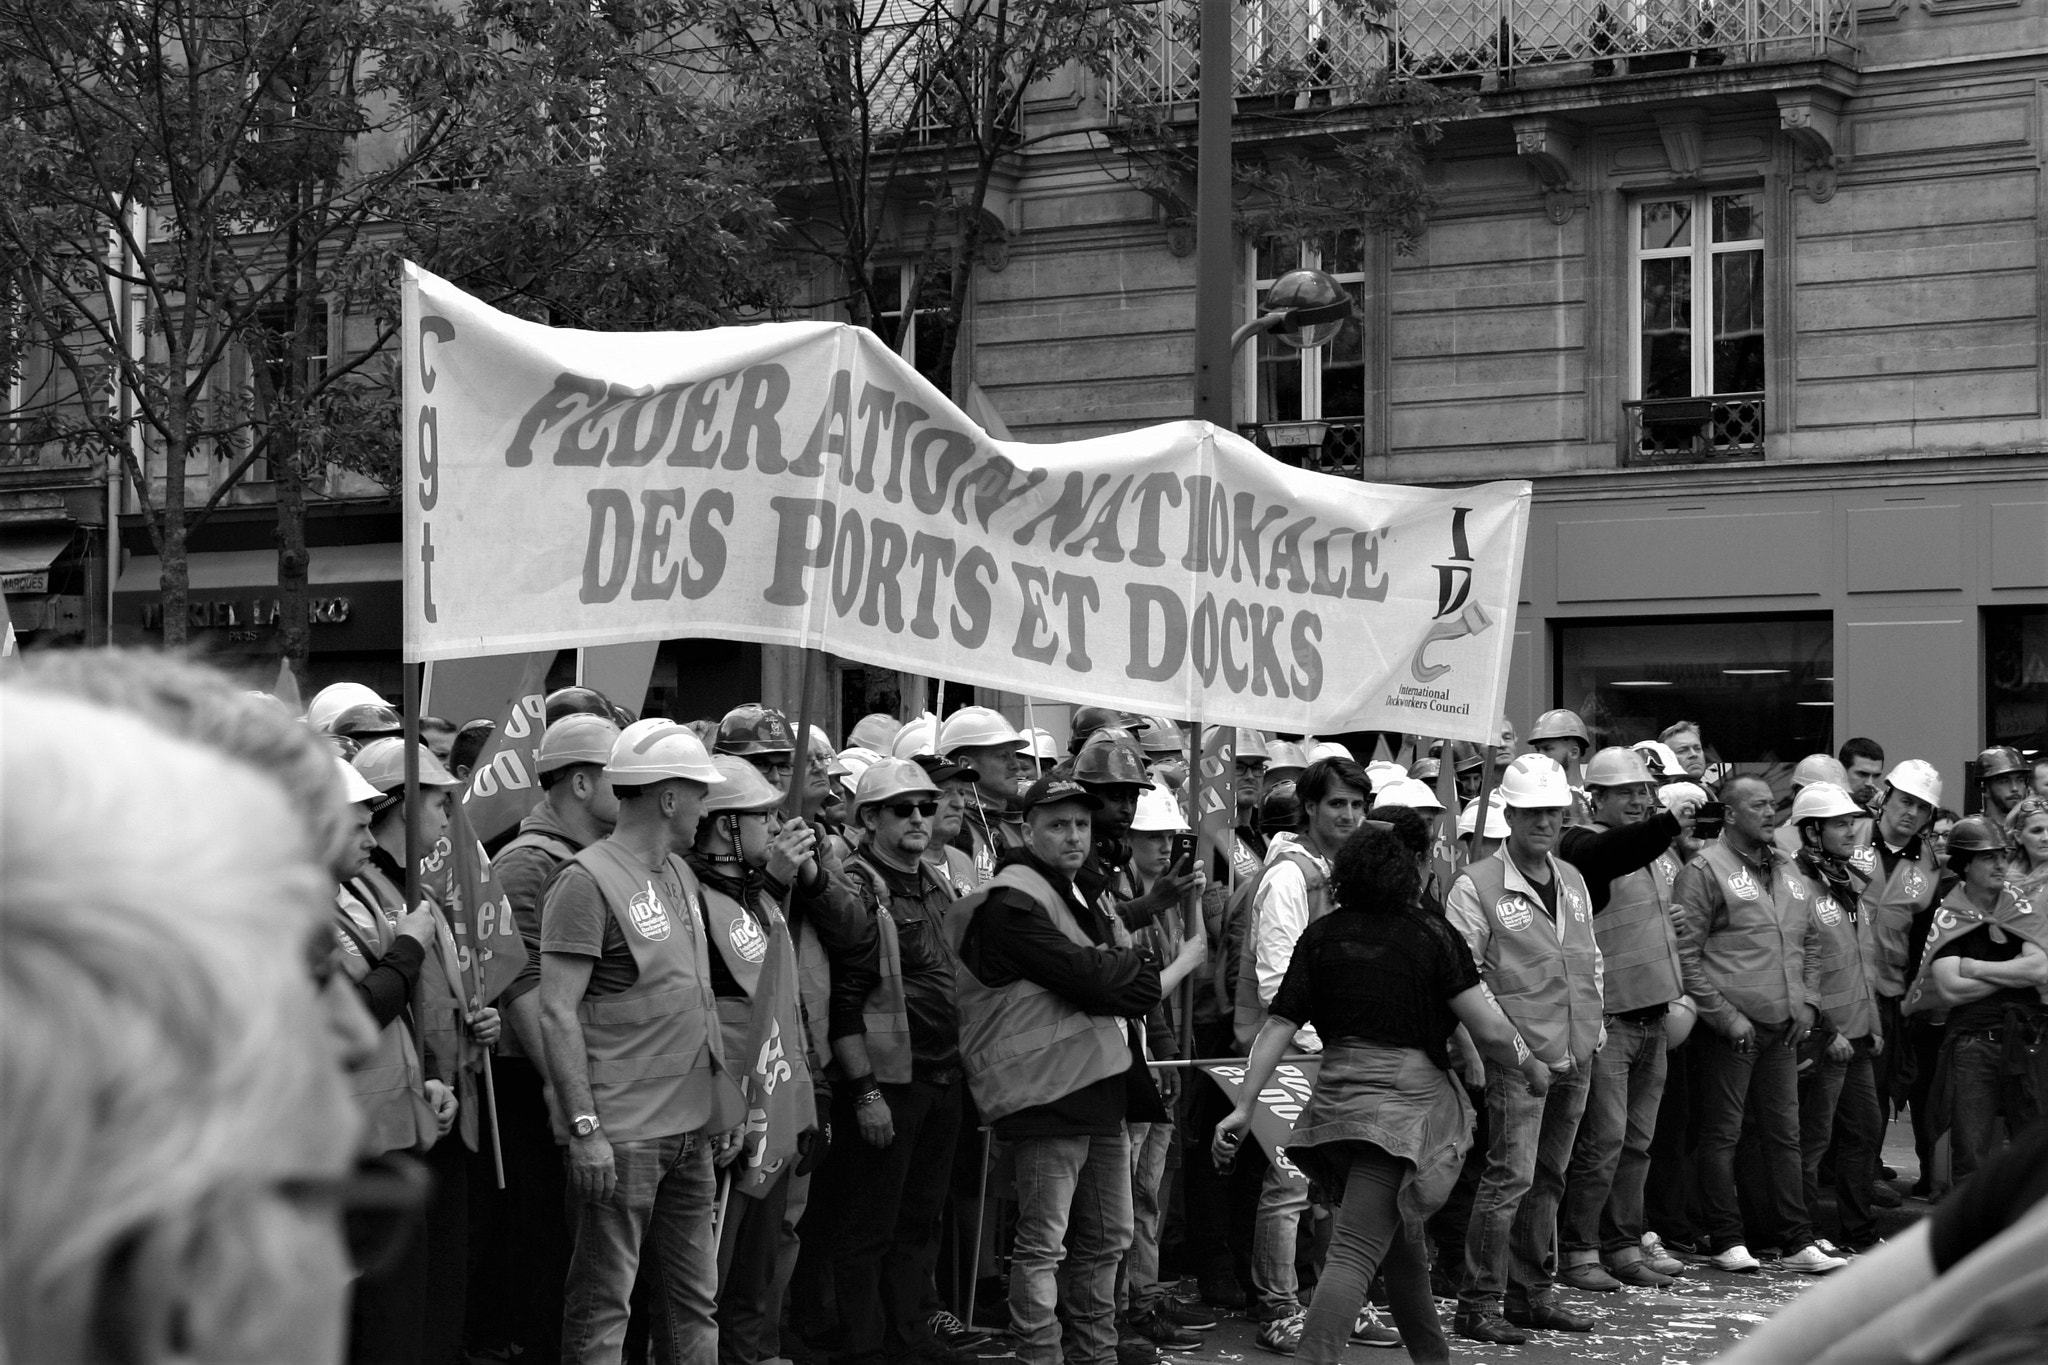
(1545,976)
(1756,955)
(1638,948)
(390,1087)
(1841,979)
(1890,904)
(1248,1014)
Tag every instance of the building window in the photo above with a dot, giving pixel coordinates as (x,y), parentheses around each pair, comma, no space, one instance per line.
(1697,327)
(1326,383)
(2016,677)
(910,328)
(1760,688)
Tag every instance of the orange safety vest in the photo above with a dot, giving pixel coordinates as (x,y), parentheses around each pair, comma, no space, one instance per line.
(1543,975)
(1756,956)
(1023,1045)
(1890,904)
(885,1016)
(390,1087)
(743,944)
(1248,1015)
(1638,948)
(1840,974)
(657,1064)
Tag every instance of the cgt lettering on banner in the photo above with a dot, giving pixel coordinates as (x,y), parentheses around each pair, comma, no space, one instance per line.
(427,492)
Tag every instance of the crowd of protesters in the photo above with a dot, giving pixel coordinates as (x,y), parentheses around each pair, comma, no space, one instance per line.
(1586,1017)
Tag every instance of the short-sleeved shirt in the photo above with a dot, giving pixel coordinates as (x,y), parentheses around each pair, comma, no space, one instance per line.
(576,920)
(1384,977)
(1990,1011)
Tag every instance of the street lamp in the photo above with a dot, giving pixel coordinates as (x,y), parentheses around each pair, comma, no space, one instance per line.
(1307,308)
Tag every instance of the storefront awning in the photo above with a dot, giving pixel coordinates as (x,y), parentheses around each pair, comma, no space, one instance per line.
(27,554)
(258,568)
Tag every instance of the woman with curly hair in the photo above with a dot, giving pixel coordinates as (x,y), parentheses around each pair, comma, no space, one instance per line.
(2027,869)
(1384,982)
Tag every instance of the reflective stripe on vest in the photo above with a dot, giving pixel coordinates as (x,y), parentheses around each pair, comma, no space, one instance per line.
(885,1017)
(1890,904)
(1021,1045)
(656,1062)
(1840,976)
(1544,975)
(390,1087)
(1638,948)
(1248,1014)
(1756,957)
(743,944)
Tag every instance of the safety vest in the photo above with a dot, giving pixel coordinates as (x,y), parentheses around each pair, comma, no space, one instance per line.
(1248,1015)
(390,1087)
(556,850)
(2013,914)
(1638,948)
(1545,976)
(743,944)
(1840,974)
(1890,903)
(1756,957)
(885,1017)
(657,1063)
(1023,1045)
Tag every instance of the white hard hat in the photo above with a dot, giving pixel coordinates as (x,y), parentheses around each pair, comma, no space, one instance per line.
(662,750)
(978,727)
(1533,782)
(890,778)
(381,763)
(1918,777)
(741,787)
(1679,1019)
(1320,749)
(332,700)
(1406,792)
(1819,768)
(1158,813)
(1252,746)
(1496,822)
(1822,801)
(873,732)
(1673,795)
(578,737)
(1616,767)
(640,729)
(1384,772)
(920,736)
(850,763)
(1657,751)
(353,788)
(1043,745)
(1285,756)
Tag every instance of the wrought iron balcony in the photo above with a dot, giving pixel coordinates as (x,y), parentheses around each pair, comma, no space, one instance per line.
(1722,426)
(1332,51)
(1334,445)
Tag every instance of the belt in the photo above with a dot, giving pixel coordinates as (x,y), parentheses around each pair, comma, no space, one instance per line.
(1648,1014)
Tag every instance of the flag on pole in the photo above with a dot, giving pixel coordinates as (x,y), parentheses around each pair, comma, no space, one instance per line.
(1443,857)
(1279,1104)
(773,1073)
(503,785)
(489,947)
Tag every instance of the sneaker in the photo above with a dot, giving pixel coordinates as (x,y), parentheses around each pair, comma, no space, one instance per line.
(1658,1257)
(1369,1330)
(1547,1312)
(1636,1271)
(957,1334)
(1282,1336)
(1811,1260)
(1588,1276)
(1883,1196)
(1829,1247)
(1154,1326)
(1735,1258)
(1136,1351)
(1693,1251)
(1220,1289)
(1491,1328)
(1181,1313)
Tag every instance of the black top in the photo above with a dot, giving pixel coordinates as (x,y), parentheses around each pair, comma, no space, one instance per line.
(1378,977)
(1990,1011)
(1010,939)
(2003,1191)
(1601,855)
(918,905)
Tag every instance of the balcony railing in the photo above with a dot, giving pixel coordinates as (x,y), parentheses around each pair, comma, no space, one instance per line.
(1330,51)
(1723,426)
(1340,449)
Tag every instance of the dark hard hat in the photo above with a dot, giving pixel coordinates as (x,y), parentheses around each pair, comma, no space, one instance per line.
(1111,757)
(1465,756)
(1996,761)
(754,730)
(572,701)
(367,720)
(1089,719)
(1280,809)
(1976,834)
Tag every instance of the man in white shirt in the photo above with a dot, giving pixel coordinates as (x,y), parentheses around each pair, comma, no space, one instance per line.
(1294,889)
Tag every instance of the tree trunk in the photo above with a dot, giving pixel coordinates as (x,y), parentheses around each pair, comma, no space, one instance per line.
(175,583)
(294,626)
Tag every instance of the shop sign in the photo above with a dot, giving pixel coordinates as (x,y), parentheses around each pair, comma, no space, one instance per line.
(35,580)
(247,613)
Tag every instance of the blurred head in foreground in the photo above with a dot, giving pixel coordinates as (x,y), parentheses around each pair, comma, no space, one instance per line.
(173,1114)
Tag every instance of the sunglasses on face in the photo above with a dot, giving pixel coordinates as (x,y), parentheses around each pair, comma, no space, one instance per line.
(903,810)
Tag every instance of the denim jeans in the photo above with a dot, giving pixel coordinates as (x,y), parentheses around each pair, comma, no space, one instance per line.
(662,1205)
(1764,1085)
(1283,1199)
(1859,1127)
(1370,1237)
(749,1241)
(1511,1246)
(1073,1227)
(1980,1090)
(1603,1190)
(1138,1286)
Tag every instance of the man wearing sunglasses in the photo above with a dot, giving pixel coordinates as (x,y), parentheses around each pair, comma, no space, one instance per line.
(897,1104)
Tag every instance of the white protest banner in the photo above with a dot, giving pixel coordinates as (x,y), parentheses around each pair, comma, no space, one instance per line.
(801,484)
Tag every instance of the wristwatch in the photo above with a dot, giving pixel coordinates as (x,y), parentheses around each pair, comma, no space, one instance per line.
(584,1124)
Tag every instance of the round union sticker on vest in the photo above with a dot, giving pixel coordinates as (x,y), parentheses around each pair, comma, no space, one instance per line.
(1864,859)
(1915,882)
(1798,888)
(1825,909)
(650,916)
(1576,902)
(1743,884)
(748,940)
(1514,912)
